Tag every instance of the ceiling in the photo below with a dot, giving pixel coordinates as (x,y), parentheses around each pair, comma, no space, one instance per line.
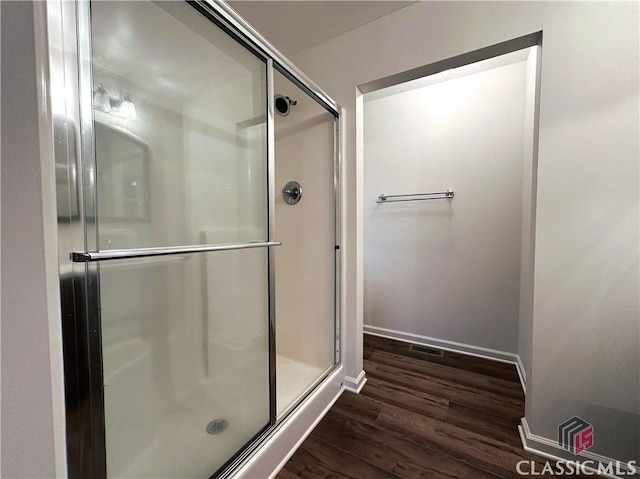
(295,25)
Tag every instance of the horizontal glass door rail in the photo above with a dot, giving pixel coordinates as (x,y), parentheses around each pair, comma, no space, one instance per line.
(81,257)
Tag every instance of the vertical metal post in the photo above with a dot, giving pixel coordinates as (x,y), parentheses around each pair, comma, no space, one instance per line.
(69,31)
(88,169)
(337,161)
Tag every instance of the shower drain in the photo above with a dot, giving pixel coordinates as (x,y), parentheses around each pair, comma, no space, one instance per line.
(217,426)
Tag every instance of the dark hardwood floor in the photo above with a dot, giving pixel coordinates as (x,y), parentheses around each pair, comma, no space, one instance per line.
(419,416)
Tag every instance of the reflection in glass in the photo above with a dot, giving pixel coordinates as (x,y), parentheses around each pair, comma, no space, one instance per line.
(101,99)
(184,339)
(200,102)
(183,347)
(127,109)
(123,165)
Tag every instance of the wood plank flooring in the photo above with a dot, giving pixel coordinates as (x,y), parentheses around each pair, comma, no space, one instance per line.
(419,416)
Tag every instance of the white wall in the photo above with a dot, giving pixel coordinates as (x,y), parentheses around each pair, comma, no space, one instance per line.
(446,269)
(586,307)
(27,399)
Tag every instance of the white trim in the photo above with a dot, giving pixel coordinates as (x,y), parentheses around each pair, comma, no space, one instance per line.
(355,385)
(359,233)
(478,351)
(551,450)
(271,456)
(522,373)
(50,235)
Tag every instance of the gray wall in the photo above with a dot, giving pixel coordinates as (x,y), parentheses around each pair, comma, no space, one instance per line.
(27,416)
(586,352)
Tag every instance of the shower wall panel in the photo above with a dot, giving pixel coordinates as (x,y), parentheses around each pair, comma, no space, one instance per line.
(305,263)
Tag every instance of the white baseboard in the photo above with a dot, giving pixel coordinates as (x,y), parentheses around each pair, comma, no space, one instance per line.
(549,449)
(355,385)
(272,456)
(443,344)
(522,373)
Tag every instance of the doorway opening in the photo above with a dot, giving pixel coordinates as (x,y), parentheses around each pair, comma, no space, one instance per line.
(448,157)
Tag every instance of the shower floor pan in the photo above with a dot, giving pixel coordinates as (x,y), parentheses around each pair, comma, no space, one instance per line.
(182,447)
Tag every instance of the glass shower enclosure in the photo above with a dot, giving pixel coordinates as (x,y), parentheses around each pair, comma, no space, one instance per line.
(199,299)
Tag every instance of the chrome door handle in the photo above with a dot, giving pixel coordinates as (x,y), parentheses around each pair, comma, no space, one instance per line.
(81,257)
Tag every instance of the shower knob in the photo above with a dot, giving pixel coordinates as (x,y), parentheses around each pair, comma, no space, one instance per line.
(292,192)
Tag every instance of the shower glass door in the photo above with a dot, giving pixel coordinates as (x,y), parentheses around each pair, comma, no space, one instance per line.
(177,158)
(305,265)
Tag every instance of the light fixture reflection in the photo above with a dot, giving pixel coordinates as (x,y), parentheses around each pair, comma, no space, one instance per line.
(127,109)
(101,99)
(124,108)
